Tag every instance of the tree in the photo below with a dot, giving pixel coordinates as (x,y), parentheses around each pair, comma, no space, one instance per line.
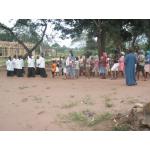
(34,29)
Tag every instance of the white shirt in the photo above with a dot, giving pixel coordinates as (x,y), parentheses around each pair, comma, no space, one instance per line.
(37,62)
(18,64)
(14,62)
(41,62)
(9,65)
(31,62)
(67,61)
(22,62)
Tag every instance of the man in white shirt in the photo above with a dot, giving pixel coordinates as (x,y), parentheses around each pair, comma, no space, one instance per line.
(42,66)
(31,66)
(19,67)
(10,67)
(22,62)
(14,64)
(37,65)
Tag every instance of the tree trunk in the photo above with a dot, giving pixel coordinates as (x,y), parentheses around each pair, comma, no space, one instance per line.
(101,43)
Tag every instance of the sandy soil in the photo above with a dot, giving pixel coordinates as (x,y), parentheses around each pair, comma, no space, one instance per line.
(38,104)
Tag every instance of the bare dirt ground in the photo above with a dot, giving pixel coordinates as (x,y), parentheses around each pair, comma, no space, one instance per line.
(58,104)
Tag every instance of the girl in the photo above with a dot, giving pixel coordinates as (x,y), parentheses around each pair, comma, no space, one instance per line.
(114,69)
(121,64)
(10,67)
(57,69)
(77,67)
(53,69)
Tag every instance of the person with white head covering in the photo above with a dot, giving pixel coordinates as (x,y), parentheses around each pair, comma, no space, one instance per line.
(42,66)
(31,66)
(10,67)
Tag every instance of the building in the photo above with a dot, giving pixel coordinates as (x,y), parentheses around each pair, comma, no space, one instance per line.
(13,48)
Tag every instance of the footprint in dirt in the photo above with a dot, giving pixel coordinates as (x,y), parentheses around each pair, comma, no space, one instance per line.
(48,88)
(24,100)
(41,112)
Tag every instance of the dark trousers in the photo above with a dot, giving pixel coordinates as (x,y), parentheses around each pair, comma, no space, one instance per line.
(10,73)
(37,71)
(15,71)
(31,72)
(19,73)
(43,73)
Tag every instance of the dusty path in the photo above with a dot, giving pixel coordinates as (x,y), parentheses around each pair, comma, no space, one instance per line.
(39,104)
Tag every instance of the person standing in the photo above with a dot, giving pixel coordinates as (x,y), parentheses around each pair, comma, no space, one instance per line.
(53,68)
(88,67)
(37,66)
(19,67)
(121,64)
(22,62)
(14,64)
(130,61)
(77,67)
(147,64)
(42,66)
(140,65)
(10,67)
(31,66)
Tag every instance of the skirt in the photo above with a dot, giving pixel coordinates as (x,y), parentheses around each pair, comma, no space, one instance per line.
(147,68)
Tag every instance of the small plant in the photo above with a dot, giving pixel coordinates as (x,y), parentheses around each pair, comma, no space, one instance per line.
(70,105)
(100,118)
(123,127)
(108,102)
(88,118)
(87,100)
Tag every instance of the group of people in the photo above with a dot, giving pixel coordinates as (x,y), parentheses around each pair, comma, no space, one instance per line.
(127,64)
(15,66)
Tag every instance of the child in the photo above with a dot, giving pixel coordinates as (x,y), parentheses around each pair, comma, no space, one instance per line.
(19,67)
(88,67)
(121,64)
(10,67)
(77,67)
(57,69)
(114,69)
(53,69)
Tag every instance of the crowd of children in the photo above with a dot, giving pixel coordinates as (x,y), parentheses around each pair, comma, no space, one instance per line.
(71,67)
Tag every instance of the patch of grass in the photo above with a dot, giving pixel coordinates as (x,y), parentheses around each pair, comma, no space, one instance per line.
(108,102)
(100,118)
(87,100)
(123,127)
(88,119)
(70,105)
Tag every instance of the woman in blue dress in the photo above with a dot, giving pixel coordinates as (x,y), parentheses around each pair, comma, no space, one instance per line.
(130,61)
